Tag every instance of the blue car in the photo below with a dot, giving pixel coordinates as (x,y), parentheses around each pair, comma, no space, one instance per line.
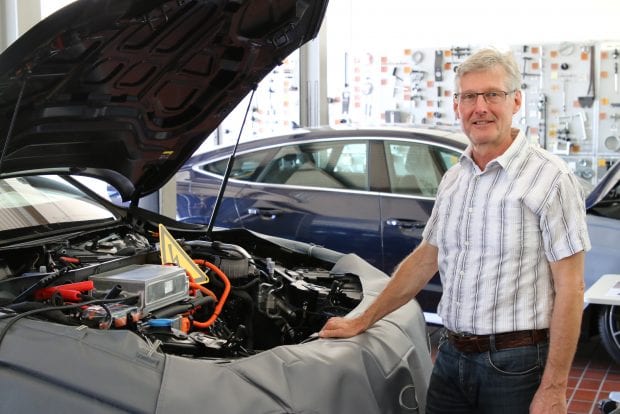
(364,191)
(603,207)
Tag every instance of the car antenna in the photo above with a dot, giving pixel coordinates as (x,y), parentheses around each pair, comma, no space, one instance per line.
(220,195)
(12,124)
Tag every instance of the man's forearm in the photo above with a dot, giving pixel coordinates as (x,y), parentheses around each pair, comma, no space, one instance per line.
(564,327)
(564,336)
(411,275)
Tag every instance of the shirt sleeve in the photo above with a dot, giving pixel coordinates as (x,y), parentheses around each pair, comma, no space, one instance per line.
(563,220)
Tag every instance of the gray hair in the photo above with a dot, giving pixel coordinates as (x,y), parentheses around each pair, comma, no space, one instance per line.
(486,59)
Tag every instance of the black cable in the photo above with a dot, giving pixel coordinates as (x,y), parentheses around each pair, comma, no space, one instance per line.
(41,283)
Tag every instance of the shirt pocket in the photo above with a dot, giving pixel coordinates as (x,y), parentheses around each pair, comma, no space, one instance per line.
(513,228)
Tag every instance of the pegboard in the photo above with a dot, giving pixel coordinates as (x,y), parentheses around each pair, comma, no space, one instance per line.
(571,96)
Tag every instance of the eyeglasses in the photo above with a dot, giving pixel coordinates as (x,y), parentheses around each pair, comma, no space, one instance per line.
(490,97)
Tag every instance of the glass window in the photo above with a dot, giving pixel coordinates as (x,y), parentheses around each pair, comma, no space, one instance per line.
(448,157)
(417,168)
(329,165)
(246,166)
(45,200)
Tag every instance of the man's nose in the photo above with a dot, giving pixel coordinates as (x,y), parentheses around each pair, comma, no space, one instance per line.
(480,103)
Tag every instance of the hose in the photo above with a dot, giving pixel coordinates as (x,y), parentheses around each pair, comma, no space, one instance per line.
(198,286)
(221,302)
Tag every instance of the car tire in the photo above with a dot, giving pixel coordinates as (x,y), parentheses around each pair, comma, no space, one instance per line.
(609,329)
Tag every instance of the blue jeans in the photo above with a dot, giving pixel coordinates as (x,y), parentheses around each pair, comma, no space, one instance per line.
(488,382)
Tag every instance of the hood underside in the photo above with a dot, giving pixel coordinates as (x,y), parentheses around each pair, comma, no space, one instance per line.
(126,91)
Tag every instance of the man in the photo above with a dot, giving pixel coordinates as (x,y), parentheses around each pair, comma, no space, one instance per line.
(507,235)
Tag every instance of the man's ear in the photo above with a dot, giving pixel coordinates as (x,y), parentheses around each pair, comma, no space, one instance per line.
(518,101)
(455,107)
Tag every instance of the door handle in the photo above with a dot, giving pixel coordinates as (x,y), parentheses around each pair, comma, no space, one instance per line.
(264,213)
(405,224)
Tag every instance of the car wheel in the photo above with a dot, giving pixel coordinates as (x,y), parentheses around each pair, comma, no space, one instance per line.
(609,329)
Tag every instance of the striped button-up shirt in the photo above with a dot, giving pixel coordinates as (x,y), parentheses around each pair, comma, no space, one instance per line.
(497,230)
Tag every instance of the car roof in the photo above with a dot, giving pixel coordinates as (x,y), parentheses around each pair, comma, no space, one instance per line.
(442,136)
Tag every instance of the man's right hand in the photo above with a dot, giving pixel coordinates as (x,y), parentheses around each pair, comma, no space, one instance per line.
(338,327)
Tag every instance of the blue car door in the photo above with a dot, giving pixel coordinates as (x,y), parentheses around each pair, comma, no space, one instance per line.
(414,171)
(317,192)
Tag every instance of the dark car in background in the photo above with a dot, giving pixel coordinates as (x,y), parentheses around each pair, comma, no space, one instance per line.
(367,191)
(603,207)
(107,309)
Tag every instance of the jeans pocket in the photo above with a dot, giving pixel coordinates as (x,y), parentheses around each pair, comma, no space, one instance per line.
(518,361)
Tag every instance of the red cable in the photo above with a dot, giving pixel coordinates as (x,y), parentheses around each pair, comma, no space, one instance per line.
(220,303)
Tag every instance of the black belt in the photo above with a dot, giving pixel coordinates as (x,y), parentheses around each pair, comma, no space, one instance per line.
(482,343)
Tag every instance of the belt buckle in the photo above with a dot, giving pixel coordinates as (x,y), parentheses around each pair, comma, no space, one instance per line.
(466,336)
(469,342)
(465,339)
(473,341)
(461,334)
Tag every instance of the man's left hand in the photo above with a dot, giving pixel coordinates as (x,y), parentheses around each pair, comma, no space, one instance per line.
(549,402)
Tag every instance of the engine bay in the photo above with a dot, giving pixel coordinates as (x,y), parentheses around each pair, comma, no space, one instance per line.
(115,279)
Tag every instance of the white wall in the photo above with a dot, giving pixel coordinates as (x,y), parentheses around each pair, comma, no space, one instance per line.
(16,17)
(50,6)
(371,24)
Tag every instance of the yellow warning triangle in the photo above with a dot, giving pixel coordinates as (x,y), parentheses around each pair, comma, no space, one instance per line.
(172,252)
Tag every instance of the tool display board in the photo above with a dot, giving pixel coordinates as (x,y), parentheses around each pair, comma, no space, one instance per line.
(274,108)
(571,96)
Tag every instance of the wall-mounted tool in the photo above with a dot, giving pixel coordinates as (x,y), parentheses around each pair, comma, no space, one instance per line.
(525,74)
(417,91)
(588,100)
(566,122)
(367,88)
(417,57)
(438,65)
(616,54)
(584,169)
(564,95)
(398,81)
(612,143)
(542,119)
(346,93)
(460,52)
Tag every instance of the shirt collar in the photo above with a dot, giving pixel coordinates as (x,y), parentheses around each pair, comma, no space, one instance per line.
(508,160)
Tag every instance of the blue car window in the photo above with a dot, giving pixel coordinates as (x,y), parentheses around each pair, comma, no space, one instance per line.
(415,168)
(246,166)
(448,157)
(329,165)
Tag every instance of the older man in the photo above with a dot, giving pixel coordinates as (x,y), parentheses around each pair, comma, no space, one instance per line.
(507,235)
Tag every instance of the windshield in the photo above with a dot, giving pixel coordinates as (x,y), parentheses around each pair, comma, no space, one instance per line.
(45,200)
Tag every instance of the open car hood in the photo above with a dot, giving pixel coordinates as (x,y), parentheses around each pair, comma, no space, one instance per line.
(126,91)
